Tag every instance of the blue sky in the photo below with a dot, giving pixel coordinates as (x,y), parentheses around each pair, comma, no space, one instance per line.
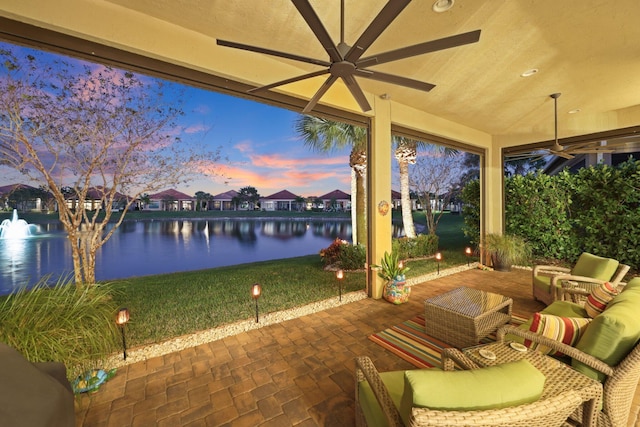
(260,143)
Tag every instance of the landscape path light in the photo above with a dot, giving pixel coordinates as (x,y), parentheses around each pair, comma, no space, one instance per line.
(467,252)
(438,259)
(256,291)
(121,320)
(340,276)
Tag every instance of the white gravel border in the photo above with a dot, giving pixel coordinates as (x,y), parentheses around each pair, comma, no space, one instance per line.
(139,354)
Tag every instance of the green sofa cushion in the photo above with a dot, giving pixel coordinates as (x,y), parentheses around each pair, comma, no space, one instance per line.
(500,386)
(394,381)
(614,333)
(590,265)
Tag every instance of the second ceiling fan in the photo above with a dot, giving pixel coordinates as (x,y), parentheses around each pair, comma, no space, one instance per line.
(346,62)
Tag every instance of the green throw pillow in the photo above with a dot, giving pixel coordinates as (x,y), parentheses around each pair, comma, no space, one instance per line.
(500,386)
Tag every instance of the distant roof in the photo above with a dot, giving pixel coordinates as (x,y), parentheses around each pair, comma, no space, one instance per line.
(336,194)
(227,195)
(170,194)
(13,187)
(97,193)
(282,195)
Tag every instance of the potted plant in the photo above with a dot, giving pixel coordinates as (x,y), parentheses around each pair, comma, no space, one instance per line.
(396,290)
(506,250)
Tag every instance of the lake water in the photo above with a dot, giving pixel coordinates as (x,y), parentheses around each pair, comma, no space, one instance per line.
(146,247)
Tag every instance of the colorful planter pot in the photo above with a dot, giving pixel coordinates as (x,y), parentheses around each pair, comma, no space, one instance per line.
(397,291)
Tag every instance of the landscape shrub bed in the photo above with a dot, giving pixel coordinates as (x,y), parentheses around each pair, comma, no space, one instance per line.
(596,209)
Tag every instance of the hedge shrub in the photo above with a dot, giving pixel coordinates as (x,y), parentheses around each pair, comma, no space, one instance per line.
(596,209)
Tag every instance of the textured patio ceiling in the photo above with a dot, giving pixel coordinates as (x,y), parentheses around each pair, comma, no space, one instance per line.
(586,49)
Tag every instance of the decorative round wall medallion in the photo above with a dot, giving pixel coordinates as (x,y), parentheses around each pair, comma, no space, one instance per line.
(383,207)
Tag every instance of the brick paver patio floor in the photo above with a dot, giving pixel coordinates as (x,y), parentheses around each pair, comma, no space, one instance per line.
(296,373)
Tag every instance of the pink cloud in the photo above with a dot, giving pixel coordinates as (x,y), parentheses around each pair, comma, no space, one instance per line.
(244,147)
(196,129)
(277,161)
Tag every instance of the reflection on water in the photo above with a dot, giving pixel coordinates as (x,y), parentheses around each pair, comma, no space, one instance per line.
(147,247)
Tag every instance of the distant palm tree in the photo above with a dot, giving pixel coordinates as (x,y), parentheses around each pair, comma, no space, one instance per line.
(325,135)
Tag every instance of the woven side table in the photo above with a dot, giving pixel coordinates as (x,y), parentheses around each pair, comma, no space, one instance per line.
(463,316)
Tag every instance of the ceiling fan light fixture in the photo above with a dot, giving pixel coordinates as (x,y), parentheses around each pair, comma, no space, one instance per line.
(442,5)
(529,72)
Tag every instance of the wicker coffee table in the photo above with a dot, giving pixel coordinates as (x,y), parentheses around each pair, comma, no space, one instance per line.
(463,316)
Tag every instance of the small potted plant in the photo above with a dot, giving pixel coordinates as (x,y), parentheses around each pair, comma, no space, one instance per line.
(396,290)
(506,250)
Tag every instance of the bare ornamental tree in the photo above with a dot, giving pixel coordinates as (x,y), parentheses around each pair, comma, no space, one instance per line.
(433,179)
(89,130)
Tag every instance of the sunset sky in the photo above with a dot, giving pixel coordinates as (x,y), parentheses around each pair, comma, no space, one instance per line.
(263,148)
(259,141)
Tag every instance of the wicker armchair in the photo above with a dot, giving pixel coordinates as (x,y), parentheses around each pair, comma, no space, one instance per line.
(548,412)
(590,271)
(619,384)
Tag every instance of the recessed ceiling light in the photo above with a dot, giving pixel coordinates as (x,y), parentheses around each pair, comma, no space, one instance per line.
(442,5)
(574,111)
(529,73)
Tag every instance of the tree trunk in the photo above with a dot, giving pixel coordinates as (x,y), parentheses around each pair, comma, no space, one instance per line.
(358,162)
(354,215)
(405,197)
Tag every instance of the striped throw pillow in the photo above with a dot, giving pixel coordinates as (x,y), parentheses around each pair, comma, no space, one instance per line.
(567,330)
(599,298)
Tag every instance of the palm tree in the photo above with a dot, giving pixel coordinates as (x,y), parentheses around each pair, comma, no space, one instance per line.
(406,152)
(325,135)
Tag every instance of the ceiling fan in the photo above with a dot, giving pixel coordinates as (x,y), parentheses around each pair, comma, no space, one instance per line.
(345,61)
(582,148)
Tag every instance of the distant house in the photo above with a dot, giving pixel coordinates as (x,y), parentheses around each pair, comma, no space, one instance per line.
(580,161)
(94,199)
(281,201)
(21,197)
(336,200)
(223,201)
(396,201)
(170,200)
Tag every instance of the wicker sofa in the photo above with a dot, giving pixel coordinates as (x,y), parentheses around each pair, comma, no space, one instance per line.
(432,397)
(34,394)
(607,349)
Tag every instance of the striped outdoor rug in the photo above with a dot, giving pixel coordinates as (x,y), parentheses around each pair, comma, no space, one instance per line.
(408,341)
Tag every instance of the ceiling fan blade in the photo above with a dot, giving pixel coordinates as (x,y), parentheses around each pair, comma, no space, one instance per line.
(272,52)
(357,93)
(421,49)
(287,81)
(323,89)
(390,78)
(561,154)
(312,20)
(388,13)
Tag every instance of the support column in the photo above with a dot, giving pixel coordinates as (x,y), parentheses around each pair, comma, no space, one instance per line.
(491,195)
(379,193)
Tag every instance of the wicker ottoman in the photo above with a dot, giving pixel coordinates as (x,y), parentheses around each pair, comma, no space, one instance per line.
(463,316)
